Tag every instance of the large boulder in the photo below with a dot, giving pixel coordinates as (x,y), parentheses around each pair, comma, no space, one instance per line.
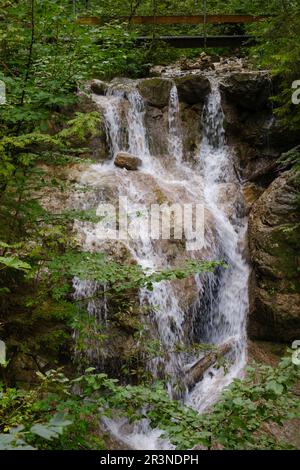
(274,235)
(156,91)
(98,87)
(127,161)
(156,121)
(249,90)
(192,89)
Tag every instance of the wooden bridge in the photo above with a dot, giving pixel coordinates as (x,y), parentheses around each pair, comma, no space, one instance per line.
(173,20)
(185,41)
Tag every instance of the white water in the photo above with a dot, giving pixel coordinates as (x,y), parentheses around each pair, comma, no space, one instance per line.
(222,303)
(175,146)
(226,319)
(137,436)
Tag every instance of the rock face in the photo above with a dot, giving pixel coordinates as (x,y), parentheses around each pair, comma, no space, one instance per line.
(128,161)
(98,86)
(192,92)
(248,90)
(156,121)
(124,317)
(156,91)
(251,129)
(274,236)
(192,89)
(192,129)
(258,141)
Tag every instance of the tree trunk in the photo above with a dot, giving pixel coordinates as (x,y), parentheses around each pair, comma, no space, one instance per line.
(195,373)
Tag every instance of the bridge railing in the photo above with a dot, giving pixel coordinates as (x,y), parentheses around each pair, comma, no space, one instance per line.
(236,40)
(173,19)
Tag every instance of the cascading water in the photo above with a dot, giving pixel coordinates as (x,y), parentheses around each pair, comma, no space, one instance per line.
(221,307)
(225,319)
(175,146)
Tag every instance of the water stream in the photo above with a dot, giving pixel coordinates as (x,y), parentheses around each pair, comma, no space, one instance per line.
(219,308)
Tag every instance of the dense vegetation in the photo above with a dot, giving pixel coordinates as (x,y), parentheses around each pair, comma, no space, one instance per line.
(45,58)
(239,421)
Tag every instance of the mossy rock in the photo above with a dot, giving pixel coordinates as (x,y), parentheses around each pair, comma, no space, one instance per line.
(192,89)
(274,236)
(156,91)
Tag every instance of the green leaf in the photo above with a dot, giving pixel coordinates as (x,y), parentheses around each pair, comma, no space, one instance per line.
(275,387)
(15,263)
(44,431)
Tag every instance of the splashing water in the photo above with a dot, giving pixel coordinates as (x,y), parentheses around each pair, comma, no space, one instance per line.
(137,436)
(226,317)
(219,312)
(175,146)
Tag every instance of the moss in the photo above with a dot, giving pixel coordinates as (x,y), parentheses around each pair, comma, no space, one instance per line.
(159,195)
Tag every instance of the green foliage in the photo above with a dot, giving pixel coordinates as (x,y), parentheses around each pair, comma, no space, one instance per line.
(16,438)
(120,277)
(14,263)
(45,59)
(278,49)
(237,421)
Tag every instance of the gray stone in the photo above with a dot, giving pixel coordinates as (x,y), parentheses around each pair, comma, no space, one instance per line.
(193,89)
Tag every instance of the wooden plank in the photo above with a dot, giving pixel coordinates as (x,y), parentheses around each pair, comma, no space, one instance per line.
(189,42)
(173,20)
(90,20)
(195,19)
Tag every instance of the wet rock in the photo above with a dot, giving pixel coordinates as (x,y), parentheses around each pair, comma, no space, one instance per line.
(231,200)
(193,89)
(191,130)
(274,235)
(258,141)
(128,161)
(156,91)
(259,166)
(98,87)
(157,127)
(259,131)
(251,193)
(249,90)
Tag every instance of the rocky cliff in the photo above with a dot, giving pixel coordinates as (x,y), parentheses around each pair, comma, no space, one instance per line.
(274,235)
(270,190)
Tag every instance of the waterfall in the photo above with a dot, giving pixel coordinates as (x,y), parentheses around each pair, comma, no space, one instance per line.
(124,119)
(113,121)
(226,317)
(175,146)
(137,135)
(219,309)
